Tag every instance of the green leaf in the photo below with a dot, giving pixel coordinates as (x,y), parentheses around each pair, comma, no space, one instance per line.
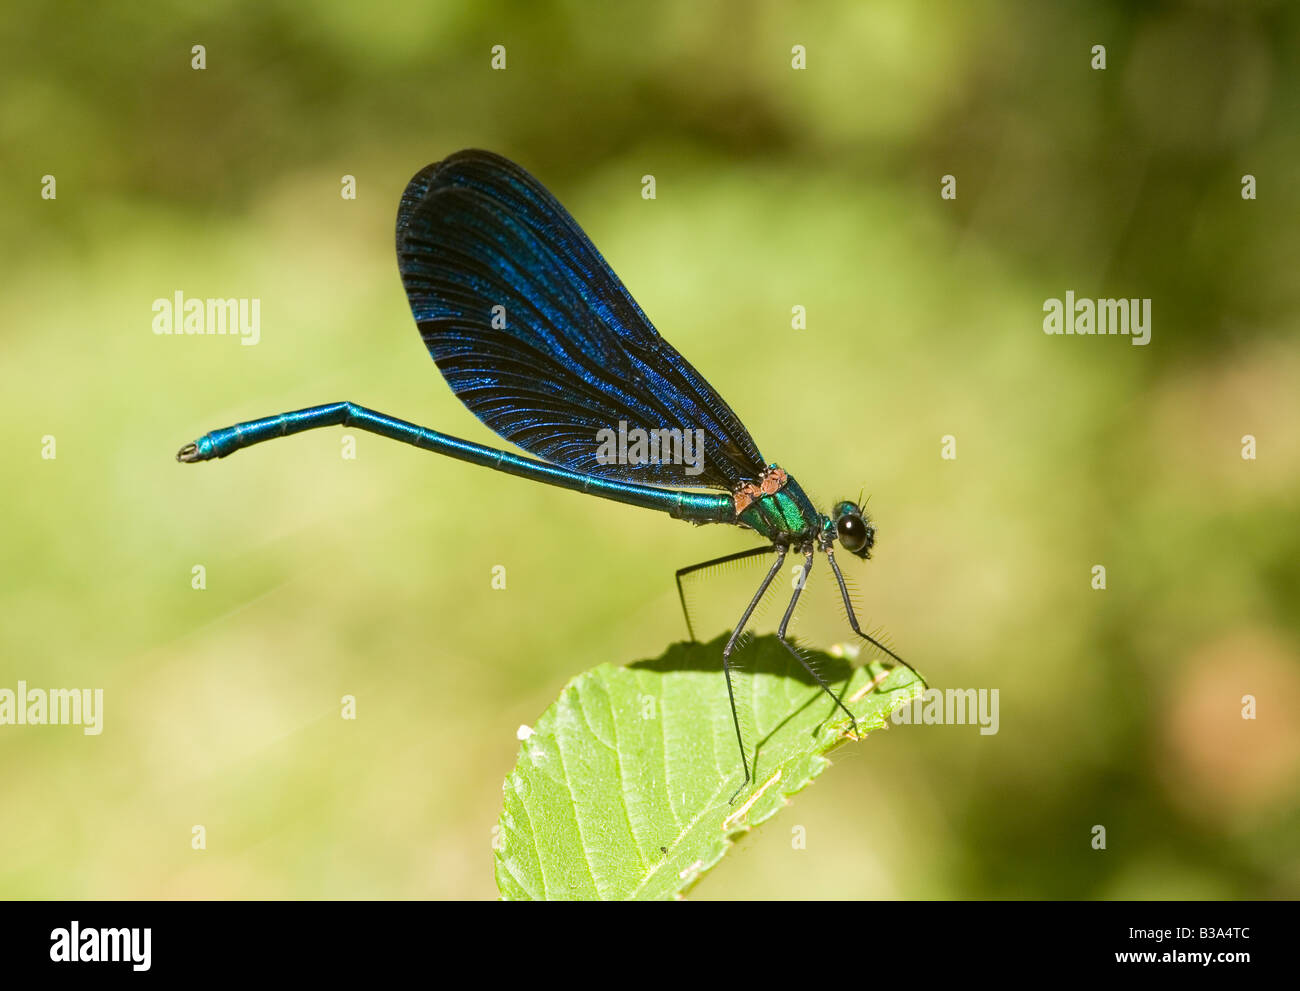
(622,789)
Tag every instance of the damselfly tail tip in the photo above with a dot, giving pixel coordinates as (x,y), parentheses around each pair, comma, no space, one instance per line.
(190,452)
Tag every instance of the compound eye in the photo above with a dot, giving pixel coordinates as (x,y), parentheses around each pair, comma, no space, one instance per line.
(854,535)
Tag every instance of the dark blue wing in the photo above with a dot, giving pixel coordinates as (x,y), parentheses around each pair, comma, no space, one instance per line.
(571,353)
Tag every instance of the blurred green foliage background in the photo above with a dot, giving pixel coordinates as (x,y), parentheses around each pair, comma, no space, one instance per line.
(776,188)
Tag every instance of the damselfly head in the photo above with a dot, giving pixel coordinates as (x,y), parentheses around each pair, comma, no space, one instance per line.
(853,529)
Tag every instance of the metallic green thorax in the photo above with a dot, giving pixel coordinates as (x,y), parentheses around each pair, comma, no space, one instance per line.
(785,517)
